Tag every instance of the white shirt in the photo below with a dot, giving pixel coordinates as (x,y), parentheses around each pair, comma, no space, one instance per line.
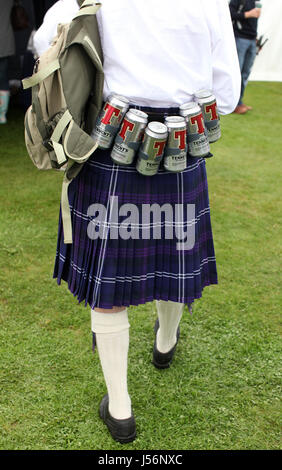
(158,52)
(61,12)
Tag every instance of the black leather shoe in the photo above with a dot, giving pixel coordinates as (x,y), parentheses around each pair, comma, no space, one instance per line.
(121,430)
(163,360)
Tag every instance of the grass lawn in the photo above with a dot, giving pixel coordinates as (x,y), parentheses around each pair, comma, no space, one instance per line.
(223,391)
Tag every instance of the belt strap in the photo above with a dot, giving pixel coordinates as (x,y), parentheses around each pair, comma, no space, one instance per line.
(157,116)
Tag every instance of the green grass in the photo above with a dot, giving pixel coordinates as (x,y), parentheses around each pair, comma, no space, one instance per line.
(223,391)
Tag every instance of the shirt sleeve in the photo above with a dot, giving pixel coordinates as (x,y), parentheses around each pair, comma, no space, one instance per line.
(225,65)
(47,31)
(58,13)
(234,6)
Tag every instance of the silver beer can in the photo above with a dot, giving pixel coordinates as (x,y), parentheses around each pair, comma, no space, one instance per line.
(197,136)
(129,138)
(109,120)
(152,149)
(175,157)
(207,101)
(202,94)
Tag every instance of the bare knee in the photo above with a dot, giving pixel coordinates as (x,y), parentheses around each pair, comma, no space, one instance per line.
(109,310)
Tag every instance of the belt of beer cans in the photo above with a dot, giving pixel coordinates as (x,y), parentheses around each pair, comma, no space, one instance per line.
(127,131)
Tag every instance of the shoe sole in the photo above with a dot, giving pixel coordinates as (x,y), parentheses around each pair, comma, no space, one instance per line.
(161,366)
(122,440)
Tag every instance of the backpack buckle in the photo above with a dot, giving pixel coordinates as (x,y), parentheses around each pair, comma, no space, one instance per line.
(36,65)
(48,144)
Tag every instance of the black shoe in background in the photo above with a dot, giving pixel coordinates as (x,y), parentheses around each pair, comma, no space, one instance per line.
(163,360)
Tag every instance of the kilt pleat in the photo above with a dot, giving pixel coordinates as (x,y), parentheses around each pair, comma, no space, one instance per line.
(106,271)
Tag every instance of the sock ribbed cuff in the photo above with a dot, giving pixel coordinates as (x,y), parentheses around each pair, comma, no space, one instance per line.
(168,307)
(109,322)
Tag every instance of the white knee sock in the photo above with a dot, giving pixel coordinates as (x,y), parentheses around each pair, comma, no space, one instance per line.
(112,338)
(169,314)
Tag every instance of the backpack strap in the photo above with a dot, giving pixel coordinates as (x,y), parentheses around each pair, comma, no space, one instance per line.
(72,169)
(74,164)
(65,208)
(57,134)
(41,75)
(88,8)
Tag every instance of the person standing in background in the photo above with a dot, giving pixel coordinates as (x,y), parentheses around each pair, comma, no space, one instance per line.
(245,14)
(7,49)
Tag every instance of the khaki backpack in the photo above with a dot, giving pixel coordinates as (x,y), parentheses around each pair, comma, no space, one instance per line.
(67,89)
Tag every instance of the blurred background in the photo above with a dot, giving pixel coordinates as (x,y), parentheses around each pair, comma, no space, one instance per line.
(21,64)
(267,67)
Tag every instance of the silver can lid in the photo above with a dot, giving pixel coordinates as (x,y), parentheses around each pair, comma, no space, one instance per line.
(118,100)
(203,94)
(137,115)
(175,121)
(158,128)
(208,99)
(189,108)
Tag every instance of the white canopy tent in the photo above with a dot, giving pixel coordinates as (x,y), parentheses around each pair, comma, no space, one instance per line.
(268,64)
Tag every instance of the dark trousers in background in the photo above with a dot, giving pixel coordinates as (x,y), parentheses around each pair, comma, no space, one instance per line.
(27,69)
(40,8)
(4,78)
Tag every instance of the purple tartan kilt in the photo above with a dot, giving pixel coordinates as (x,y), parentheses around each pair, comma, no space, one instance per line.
(111,271)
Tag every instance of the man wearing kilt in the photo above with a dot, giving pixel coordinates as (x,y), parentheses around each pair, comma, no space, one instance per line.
(157,55)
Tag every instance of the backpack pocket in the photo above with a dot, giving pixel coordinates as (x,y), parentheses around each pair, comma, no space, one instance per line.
(33,140)
(78,145)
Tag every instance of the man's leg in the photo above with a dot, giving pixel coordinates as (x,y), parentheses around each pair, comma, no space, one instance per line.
(250,56)
(169,315)
(242,47)
(111,328)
